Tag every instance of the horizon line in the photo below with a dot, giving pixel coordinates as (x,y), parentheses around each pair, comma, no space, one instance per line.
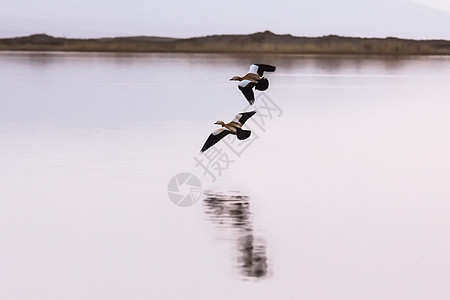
(267,32)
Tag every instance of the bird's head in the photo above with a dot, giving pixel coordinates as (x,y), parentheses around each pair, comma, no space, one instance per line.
(236,78)
(220,123)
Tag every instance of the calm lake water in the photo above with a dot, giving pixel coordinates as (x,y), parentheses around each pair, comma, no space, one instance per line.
(342,191)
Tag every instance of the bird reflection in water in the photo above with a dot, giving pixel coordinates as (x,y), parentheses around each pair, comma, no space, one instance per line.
(231,215)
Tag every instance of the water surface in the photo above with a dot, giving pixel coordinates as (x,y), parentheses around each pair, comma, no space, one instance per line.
(342,195)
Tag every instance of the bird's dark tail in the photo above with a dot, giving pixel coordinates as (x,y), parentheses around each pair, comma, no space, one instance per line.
(243,134)
(263,84)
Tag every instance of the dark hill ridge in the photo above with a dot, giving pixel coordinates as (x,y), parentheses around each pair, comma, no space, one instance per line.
(260,42)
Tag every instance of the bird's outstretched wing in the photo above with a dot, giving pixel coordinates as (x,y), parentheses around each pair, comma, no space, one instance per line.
(243,117)
(261,68)
(214,138)
(246,87)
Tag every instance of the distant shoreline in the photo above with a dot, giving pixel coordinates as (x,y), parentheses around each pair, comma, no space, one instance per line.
(261,42)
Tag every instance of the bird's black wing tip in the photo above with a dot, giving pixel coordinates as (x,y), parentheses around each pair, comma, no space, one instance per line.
(248,92)
(245,116)
(213,139)
(265,68)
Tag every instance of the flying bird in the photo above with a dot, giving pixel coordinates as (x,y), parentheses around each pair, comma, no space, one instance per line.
(254,78)
(234,127)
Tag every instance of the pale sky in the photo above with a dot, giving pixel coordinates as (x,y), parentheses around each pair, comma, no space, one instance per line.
(174,18)
(438,4)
